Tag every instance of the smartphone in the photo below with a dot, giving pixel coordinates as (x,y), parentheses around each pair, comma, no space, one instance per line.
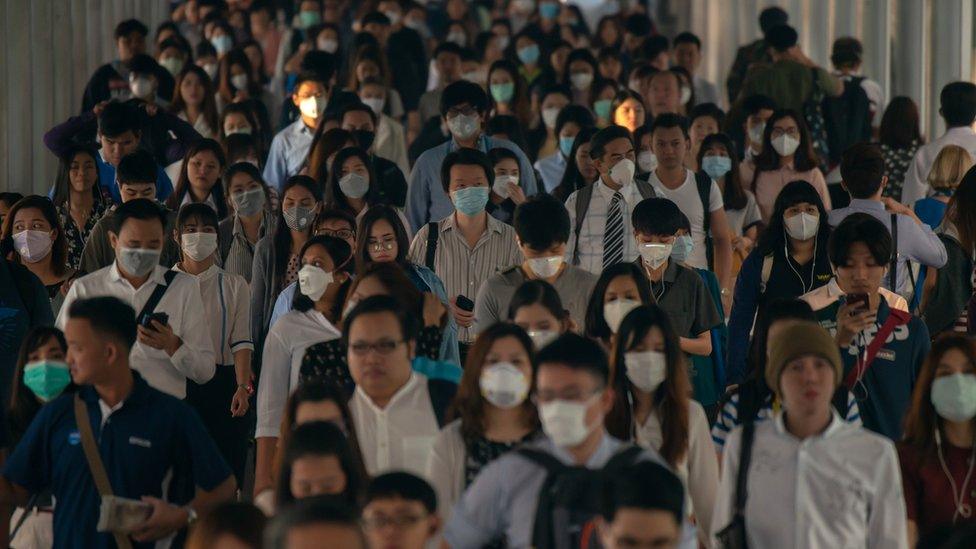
(465,304)
(162,318)
(858,303)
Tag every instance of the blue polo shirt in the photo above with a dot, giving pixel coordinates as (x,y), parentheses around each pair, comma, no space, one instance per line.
(106,178)
(153,445)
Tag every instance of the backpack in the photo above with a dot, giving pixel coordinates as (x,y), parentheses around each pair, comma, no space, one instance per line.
(569,500)
(814,116)
(847,118)
(583,197)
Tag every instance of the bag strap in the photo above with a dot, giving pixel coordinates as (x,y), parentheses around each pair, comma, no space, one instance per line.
(542,459)
(583,197)
(157,295)
(433,231)
(893,272)
(895,318)
(95,465)
(704,184)
(645,189)
(767,270)
(623,458)
(742,475)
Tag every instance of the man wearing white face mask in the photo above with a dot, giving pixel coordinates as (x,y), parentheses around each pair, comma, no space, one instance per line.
(573,395)
(542,230)
(289,148)
(677,289)
(464,108)
(173,343)
(222,401)
(600,213)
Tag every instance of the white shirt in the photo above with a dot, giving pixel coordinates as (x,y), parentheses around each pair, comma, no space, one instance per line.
(916,184)
(195,357)
(839,489)
(281,361)
(698,470)
(227,302)
(200,125)
(595,224)
(399,436)
(690,203)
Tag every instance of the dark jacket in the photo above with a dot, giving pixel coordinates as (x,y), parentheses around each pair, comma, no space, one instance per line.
(953,289)
(98,253)
(107,83)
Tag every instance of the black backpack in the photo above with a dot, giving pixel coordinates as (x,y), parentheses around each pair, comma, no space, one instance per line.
(570,498)
(847,119)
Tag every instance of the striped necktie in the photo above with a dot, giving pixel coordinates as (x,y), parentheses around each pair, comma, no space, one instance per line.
(613,235)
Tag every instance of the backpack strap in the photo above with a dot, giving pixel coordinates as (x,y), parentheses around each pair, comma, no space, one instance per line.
(157,295)
(583,197)
(441,394)
(767,270)
(742,475)
(895,318)
(704,184)
(543,459)
(627,456)
(645,189)
(542,534)
(893,270)
(433,231)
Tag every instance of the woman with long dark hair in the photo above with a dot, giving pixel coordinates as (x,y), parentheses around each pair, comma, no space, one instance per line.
(326,144)
(580,170)
(537,308)
(79,199)
(199,180)
(900,136)
(248,220)
(653,406)
(352,186)
(620,289)
(319,460)
(787,155)
(509,93)
(491,412)
(195,100)
(718,158)
(790,260)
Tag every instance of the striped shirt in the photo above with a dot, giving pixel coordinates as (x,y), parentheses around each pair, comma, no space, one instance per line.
(240,254)
(590,255)
(728,417)
(463,268)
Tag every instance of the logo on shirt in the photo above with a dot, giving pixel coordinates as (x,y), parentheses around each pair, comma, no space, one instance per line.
(74,438)
(136,441)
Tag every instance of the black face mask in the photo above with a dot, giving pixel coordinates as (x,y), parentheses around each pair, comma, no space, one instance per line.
(364,138)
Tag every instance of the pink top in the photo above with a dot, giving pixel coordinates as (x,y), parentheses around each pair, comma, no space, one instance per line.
(770,183)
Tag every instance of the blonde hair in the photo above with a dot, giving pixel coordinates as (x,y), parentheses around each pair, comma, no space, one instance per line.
(950,165)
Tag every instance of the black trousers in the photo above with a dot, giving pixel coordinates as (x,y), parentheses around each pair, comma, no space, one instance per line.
(212,401)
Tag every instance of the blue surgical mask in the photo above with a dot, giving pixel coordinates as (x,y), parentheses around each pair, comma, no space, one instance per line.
(309,18)
(683,246)
(601,108)
(46,378)
(222,43)
(470,200)
(566,145)
(528,55)
(503,93)
(549,11)
(716,166)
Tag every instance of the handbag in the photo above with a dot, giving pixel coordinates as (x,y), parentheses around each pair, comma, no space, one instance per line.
(733,536)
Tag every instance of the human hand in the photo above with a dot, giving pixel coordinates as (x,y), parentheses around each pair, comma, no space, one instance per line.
(160,336)
(516,193)
(465,319)
(165,519)
(240,402)
(850,322)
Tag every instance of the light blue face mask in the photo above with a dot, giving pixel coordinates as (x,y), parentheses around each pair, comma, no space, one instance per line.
(682,248)
(528,55)
(601,108)
(566,145)
(471,200)
(222,43)
(549,10)
(308,19)
(716,166)
(503,93)
(954,396)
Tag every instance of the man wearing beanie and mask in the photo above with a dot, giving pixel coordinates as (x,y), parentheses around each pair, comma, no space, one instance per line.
(835,484)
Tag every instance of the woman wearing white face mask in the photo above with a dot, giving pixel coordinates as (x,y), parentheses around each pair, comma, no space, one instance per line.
(492,412)
(247,199)
(654,409)
(621,288)
(936,455)
(222,401)
(787,155)
(32,234)
(323,282)
(789,261)
(536,308)
(579,75)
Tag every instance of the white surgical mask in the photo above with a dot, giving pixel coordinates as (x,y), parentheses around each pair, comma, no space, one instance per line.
(313,281)
(141,87)
(138,262)
(464,126)
(504,385)
(654,254)
(546,267)
(685,95)
(581,80)
(954,396)
(329,45)
(647,161)
(239,81)
(375,103)
(564,421)
(312,107)
(802,226)
(622,173)
(541,338)
(785,144)
(199,246)
(500,186)
(756,133)
(549,116)
(615,311)
(646,370)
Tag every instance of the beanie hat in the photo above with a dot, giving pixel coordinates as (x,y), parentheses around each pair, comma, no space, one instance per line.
(799,339)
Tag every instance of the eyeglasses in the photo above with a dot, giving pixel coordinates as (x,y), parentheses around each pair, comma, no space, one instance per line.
(384,347)
(401,522)
(384,246)
(343,234)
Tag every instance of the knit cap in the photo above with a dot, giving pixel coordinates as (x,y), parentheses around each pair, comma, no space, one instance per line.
(799,339)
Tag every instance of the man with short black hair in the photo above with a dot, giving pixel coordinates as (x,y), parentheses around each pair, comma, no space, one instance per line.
(599,214)
(542,230)
(111,80)
(687,53)
(464,109)
(957,105)
(361,121)
(643,505)
(400,510)
(754,52)
(862,169)
(468,246)
(289,148)
(135,179)
(316,522)
(447,60)
(174,343)
(152,446)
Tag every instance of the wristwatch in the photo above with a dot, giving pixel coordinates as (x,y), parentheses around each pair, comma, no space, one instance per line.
(191,515)
(249,387)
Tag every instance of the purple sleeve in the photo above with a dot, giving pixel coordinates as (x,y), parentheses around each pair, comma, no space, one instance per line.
(60,138)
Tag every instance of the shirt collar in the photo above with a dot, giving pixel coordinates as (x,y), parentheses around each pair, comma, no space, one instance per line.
(597,460)
(960,130)
(407,388)
(836,424)
(140,390)
(484,143)
(298,127)
(157,276)
(606,192)
(866,204)
(450,224)
(211,271)
(671,271)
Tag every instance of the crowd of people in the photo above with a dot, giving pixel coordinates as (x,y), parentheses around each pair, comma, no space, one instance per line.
(449,273)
